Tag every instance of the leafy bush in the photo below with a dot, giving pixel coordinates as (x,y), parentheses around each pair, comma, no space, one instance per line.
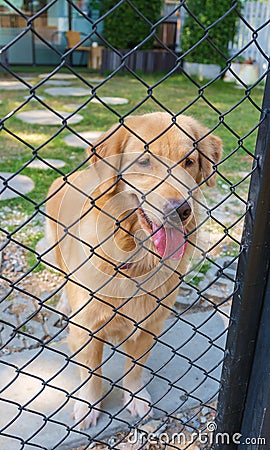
(207,12)
(124,28)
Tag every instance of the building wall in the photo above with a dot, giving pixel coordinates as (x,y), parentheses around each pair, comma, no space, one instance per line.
(50,27)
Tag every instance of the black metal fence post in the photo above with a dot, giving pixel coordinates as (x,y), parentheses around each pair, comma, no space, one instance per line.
(250,305)
(256,420)
(194,335)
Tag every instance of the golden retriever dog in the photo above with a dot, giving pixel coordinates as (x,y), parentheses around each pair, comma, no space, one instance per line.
(123,232)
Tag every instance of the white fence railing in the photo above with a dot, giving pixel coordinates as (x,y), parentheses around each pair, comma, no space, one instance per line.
(256,13)
(257,45)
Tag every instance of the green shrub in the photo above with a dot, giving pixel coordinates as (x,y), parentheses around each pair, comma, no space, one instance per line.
(124,28)
(207,12)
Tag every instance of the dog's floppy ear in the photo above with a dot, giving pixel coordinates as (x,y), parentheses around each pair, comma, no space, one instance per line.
(105,154)
(210,154)
(210,151)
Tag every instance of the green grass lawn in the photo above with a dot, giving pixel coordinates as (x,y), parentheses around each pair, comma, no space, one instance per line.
(219,105)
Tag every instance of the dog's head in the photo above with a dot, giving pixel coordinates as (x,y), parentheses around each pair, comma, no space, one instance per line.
(156,164)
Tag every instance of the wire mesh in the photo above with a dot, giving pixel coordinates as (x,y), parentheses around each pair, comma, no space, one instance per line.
(109,215)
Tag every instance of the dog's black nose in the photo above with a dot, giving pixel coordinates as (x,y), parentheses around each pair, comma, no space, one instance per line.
(173,210)
(184,210)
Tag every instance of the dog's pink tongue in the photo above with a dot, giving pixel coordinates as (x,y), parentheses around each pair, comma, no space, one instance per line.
(169,242)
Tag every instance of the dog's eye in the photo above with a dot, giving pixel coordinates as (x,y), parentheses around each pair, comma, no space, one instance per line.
(188,162)
(144,162)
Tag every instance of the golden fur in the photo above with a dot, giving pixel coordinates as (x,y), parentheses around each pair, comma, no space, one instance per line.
(96,225)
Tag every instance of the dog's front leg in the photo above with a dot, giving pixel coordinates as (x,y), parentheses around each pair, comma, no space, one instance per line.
(136,397)
(88,352)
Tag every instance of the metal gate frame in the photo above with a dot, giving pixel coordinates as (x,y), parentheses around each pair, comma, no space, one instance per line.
(244,399)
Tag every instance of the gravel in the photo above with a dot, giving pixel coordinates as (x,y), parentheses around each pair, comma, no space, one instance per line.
(27,310)
(187,430)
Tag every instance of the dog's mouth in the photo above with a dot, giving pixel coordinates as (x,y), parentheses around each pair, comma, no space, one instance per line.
(170,242)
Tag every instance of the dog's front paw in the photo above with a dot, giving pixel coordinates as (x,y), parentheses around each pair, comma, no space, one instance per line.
(139,405)
(84,416)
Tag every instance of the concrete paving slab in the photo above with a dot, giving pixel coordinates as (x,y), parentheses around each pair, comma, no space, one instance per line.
(70,76)
(37,164)
(21,183)
(95,80)
(80,92)
(68,91)
(46,117)
(28,78)
(176,367)
(59,76)
(111,100)
(34,99)
(12,85)
(75,141)
(57,83)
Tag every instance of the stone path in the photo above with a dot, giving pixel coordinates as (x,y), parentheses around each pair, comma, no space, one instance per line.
(56,83)
(59,76)
(74,141)
(12,85)
(20,183)
(38,164)
(169,374)
(80,92)
(29,79)
(95,80)
(111,100)
(33,99)
(46,117)
(69,76)
(68,91)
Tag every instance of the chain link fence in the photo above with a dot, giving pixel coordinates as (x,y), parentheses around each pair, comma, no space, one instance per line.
(118,266)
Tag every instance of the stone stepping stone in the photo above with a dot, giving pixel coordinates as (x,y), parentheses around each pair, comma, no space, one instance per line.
(46,117)
(74,141)
(21,183)
(95,80)
(59,76)
(111,100)
(12,85)
(57,83)
(73,106)
(68,91)
(33,99)
(78,92)
(38,164)
(28,79)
